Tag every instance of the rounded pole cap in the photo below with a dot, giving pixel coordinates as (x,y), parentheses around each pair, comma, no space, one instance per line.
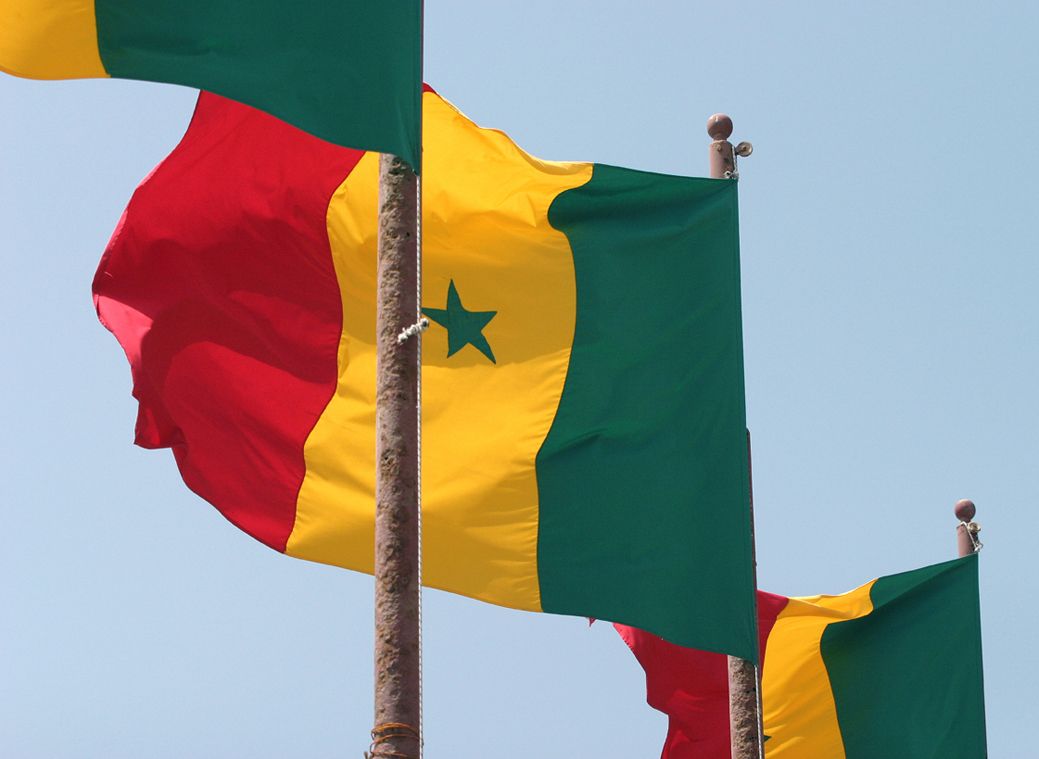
(964,510)
(719,126)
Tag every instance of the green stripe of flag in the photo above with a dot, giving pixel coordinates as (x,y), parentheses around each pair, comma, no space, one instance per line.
(642,481)
(907,678)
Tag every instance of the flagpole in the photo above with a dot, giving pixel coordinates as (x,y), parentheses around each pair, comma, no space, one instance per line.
(745,728)
(398,457)
(397,639)
(967,530)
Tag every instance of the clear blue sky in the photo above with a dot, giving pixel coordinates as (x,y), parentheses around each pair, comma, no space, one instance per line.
(890,277)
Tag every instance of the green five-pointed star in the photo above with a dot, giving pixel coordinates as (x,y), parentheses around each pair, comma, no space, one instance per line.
(463,327)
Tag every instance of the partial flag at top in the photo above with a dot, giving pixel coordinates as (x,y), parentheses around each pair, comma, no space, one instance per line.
(347,71)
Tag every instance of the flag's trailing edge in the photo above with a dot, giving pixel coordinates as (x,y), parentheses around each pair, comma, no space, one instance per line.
(583,407)
(891,669)
(348,71)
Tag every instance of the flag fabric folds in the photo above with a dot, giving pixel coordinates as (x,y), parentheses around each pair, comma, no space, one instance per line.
(583,407)
(348,71)
(891,669)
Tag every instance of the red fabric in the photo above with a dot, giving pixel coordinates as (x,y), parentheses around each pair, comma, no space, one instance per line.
(219,285)
(691,686)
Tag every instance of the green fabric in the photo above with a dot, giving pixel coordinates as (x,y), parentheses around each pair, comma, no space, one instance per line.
(348,71)
(907,678)
(642,480)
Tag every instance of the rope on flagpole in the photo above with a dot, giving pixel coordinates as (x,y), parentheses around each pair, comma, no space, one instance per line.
(415,329)
(972,529)
(422,324)
(385,732)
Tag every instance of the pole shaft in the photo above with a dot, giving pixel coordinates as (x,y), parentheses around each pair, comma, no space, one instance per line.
(397,650)
(745,729)
(745,714)
(964,546)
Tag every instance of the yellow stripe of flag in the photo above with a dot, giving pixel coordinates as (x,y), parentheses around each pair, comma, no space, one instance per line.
(800,715)
(486,231)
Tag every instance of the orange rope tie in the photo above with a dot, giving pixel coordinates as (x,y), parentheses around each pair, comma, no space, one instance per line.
(387,731)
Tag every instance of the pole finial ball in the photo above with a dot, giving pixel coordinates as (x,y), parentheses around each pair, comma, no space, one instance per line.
(964,510)
(719,126)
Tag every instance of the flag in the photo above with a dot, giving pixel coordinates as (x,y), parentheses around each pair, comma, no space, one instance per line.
(347,71)
(891,669)
(691,686)
(583,434)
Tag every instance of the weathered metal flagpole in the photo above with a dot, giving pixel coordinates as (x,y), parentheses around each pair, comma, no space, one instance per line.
(967,530)
(397,642)
(745,731)
(398,393)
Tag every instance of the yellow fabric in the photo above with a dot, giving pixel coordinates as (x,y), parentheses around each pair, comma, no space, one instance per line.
(49,39)
(485,226)
(800,715)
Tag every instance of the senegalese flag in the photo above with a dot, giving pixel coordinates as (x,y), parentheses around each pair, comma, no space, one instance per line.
(891,669)
(583,403)
(348,71)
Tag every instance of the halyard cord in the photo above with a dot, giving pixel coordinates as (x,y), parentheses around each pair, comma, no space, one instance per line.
(424,322)
(972,533)
(735,173)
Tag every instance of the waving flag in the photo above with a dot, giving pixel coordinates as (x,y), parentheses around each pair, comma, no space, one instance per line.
(348,71)
(583,430)
(891,669)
